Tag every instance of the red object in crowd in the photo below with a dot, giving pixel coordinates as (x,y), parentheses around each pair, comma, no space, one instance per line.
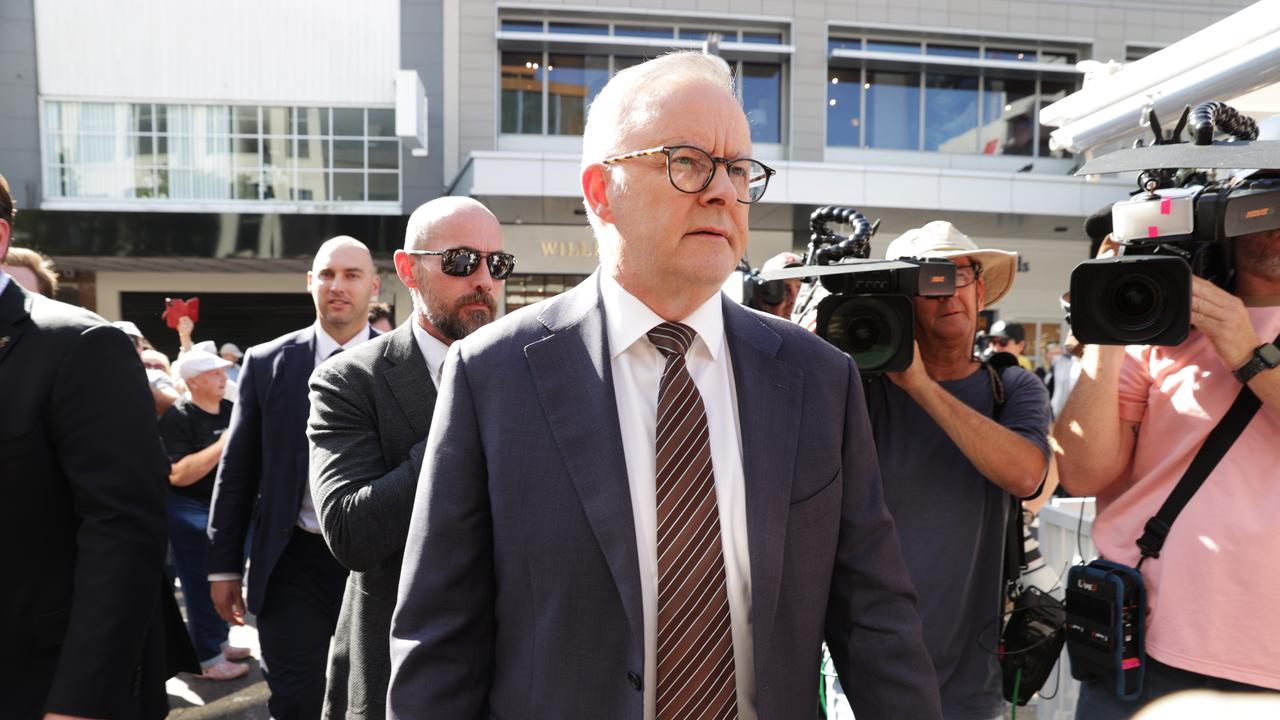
(176,309)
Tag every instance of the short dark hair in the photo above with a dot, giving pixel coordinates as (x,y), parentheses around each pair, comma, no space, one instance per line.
(8,211)
(378,311)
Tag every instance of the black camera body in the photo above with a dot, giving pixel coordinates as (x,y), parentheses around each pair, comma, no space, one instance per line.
(869,314)
(1179,224)
(867,311)
(1106,623)
(1031,643)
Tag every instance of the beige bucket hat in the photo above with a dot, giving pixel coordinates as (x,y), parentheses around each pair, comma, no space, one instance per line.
(941,239)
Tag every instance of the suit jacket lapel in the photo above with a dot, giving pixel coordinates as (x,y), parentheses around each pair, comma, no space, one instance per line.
(572,375)
(769,393)
(407,379)
(15,308)
(297,360)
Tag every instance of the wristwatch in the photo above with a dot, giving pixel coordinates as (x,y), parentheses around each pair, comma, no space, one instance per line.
(1265,357)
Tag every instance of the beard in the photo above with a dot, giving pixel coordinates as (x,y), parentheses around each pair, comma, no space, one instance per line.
(455,323)
(1259,254)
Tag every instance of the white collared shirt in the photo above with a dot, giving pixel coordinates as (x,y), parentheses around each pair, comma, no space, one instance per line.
(637,369)
(4,280)
(325,345)
(433,350)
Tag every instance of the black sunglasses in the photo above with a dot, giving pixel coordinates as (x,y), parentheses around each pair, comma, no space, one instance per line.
(461,262)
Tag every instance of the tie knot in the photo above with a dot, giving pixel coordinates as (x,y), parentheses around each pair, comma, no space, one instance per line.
(672,338)
(335,352)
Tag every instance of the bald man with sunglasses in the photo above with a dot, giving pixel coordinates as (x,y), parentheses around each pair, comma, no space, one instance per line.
(370,412)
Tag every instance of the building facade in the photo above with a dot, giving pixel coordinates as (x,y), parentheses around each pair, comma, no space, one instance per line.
(174,149)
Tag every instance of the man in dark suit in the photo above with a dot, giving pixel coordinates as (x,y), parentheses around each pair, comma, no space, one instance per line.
(370,412)
(295,584)
(83,535)
(640,500)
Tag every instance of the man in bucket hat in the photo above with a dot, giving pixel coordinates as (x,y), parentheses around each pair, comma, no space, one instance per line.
(950,465)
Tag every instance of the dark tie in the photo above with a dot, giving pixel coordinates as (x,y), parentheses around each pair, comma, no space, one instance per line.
(695,641)
(335,352)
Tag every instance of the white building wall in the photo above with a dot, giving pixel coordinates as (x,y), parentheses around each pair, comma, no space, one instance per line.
(248,51)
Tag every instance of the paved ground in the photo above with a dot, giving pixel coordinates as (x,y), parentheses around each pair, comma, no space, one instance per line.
(194,698)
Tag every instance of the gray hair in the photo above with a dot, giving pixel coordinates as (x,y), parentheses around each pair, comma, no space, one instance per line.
(626,102)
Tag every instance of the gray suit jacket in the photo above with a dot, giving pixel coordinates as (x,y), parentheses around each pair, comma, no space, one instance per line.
(520,591)
(370,411)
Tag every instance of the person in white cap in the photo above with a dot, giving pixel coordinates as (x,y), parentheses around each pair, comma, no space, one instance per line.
(950,465)
(163,390)
(231,353)
(192,431)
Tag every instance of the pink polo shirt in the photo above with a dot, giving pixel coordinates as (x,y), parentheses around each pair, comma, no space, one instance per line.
(1214,592)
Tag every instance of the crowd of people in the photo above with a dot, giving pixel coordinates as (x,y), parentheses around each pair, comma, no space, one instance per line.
(636,499)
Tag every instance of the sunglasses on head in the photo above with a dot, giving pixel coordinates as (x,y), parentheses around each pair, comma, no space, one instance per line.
(461,262)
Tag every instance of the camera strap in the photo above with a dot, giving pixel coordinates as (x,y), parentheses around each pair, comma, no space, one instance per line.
(1220,440)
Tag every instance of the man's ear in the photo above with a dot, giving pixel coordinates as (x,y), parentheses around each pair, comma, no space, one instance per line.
(309,278)
(981,294)
(5,232)
(595,185)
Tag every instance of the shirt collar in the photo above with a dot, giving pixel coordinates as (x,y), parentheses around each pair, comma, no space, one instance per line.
(4,280)
(325,345)
(432,349)
(628,319)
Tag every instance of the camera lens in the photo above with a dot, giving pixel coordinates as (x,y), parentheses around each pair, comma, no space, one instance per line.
(865,328)
(1137,301)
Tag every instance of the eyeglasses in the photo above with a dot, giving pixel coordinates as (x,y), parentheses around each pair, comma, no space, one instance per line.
(691,169)
(462,262)
(967,275)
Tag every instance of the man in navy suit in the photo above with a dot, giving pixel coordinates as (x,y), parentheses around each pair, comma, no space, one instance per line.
(295,584)
(639,499)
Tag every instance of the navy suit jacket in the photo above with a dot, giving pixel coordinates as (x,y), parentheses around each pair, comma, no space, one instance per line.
(520,591)
(264,461)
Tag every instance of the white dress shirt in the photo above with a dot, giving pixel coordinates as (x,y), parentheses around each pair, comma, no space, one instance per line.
(637,369)
(325,345)
(4,281)
(433,350)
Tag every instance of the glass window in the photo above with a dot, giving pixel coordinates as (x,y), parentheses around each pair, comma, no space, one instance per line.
(762,38)
(893,110)
(579,28)
(348,154)
(384,154)
(246,121)
(1013,55)
(844,107)
(382,122)
(1007,104)
(695,33)
(952,50)
(276,121)
(348,121)
(313,121)
(534,26)
(1057,58)
(572,83)
(762,100)
(313,186)
(840,44)
(893,47)
(1051,91)
(140,118)
(384,187)
(951,112)
(277,152)
(348,187)
(643,31)
(522,92)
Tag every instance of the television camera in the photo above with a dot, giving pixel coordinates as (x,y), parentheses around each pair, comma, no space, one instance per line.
(1180,222)
(867,309)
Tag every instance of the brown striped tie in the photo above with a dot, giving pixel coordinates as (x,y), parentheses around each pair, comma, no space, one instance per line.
(695,644)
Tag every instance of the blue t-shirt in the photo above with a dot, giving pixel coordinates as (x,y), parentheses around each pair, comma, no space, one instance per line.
(951,522)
